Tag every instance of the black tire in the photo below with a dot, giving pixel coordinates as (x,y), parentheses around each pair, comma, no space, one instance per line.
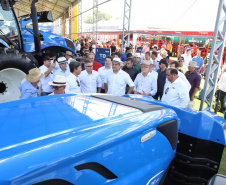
(12,63)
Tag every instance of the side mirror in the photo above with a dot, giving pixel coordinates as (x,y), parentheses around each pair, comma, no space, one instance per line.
(5,5)
(45,16)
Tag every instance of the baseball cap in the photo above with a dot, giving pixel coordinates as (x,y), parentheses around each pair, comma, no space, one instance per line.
(137,55)
(189,49)
(139,50)
(181,58)
(47,58)
(129,55)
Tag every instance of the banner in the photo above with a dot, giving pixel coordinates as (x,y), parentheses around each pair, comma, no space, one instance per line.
(101,54)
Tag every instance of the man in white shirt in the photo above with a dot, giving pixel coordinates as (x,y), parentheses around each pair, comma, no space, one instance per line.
(154,73)
(175,65)
(90,79)
(46,69)
(115,81)
(187,57)
(154,55)
(73,79)
(68,56)
(175,90)
(145,83)
(63,70)
(104,70)
(221,93)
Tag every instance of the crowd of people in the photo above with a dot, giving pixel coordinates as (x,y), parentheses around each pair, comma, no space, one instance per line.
(141,72)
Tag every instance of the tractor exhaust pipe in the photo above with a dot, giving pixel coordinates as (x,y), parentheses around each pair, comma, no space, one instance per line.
(37,41)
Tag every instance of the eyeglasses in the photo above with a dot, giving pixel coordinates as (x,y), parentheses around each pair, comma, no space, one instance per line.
(78,83)
(89,66)
(56,87)
(167,89)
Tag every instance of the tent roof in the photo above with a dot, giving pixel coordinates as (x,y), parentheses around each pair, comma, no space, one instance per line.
(58,7)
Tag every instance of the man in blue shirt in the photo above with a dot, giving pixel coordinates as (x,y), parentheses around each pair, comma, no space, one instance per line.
(199,60)
(28,88)
(124,55)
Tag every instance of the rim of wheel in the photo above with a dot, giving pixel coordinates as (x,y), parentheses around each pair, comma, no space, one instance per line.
(10,80)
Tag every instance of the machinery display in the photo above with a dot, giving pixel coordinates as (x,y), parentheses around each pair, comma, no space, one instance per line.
(105,139)
(22,48)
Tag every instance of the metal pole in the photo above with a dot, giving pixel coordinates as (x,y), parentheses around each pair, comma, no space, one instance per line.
(210,83)
(95,18)
(80,20)
(70,21)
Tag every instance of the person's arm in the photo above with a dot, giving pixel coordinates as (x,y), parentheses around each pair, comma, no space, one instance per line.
(50,69)
(197,84)
(98,89)
(130,90)
(106,87)
(129,82)
(193,94)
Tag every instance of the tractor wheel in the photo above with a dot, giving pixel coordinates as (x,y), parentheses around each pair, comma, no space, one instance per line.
(13,69)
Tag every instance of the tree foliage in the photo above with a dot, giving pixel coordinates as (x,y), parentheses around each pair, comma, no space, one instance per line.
(101,16)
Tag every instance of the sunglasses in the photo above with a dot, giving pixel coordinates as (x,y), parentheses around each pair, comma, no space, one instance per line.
(167,89)
(78,83)
(90,66)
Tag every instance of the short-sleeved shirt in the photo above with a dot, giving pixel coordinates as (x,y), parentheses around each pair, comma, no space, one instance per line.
(148,84)
(45,80)
(61,73)
(133,72)
(117,82)
(161,80)
(96,66)
(156,63)
(199,61)
(73,84)
(28,90)
(103,73)
(194,79)
(89,83)
(176,94)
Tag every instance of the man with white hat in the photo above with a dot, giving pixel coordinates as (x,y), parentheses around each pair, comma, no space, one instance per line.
(115,81)
(68,56)
(59,84)
(194,79)
(136,61)
(175,90)
(28,88)
(46,69)
(187,56)
(90,79)
(63,70)
(145,83)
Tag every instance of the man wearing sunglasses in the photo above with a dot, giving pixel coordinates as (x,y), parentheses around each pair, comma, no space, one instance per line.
(175,91)
(90,79)
(59,84)
(73,79)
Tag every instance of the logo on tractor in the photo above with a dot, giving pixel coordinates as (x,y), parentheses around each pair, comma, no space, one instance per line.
(154,180)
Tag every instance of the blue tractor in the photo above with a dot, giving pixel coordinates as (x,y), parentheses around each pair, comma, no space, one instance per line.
(22,49)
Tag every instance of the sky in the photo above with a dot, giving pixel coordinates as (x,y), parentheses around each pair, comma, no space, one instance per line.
(170,15)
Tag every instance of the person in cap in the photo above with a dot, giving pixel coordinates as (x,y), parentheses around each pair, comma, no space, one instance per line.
(154,56)
(104,70)
(116,81)
(28,88)
(59,85)
(194,79)
(96,65)
(73,79)
(68,56)
(175,65)
(145,83)
(90,79)
(141,55)
(124,55)
(64,69)
(163,64)
(136,61)
(47,70)
(187,56)
(175,90)
(182,67)
(198,59)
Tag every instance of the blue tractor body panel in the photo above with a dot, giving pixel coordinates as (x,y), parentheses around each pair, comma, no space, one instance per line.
(50,40)
(52,137)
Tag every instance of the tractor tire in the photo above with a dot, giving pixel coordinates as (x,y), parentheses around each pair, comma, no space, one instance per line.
(13,69)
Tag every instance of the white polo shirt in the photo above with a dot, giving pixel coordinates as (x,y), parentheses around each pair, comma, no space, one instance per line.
(155,74)
(187,59)
(176,94)
(45,80)
(89,83)
(73,84)
(61,73)
(156,63)
(103,73)
(148,84)
(117,82)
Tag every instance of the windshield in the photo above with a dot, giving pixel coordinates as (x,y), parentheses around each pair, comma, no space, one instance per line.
(9,28)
